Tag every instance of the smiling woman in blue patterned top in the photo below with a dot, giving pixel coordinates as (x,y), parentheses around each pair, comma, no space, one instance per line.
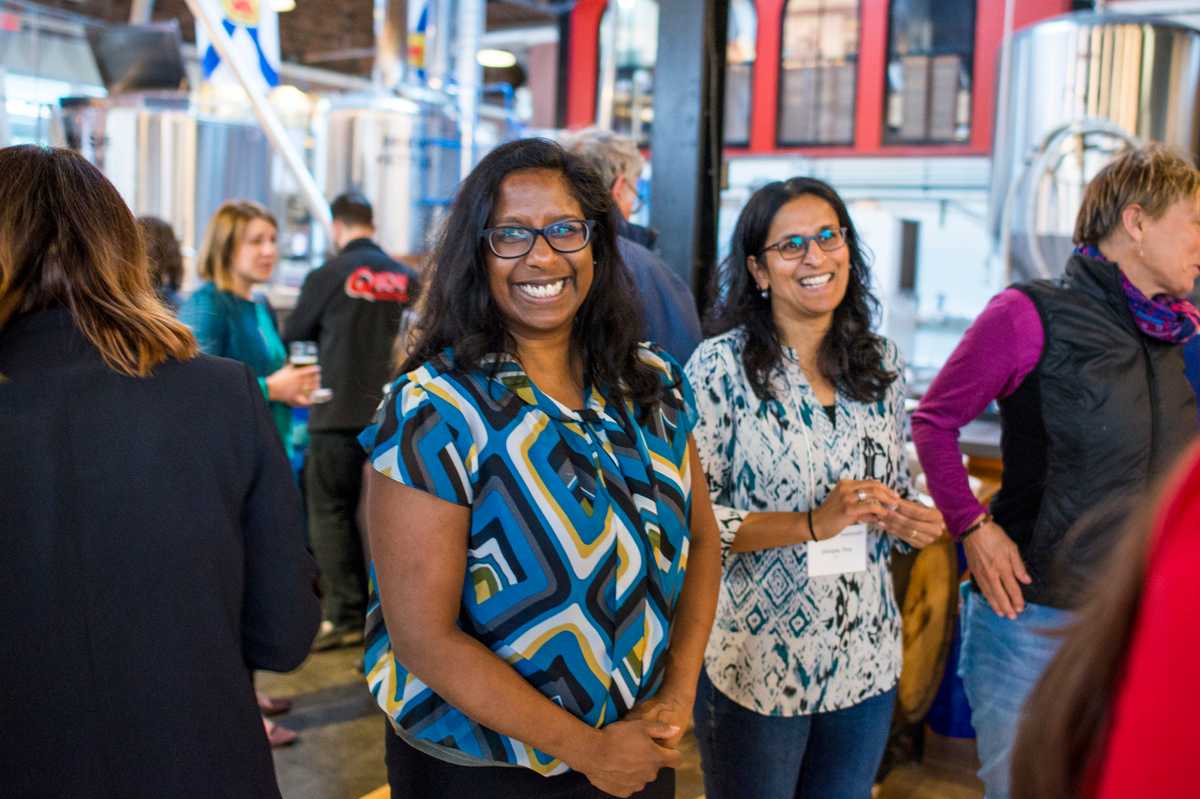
(545,554)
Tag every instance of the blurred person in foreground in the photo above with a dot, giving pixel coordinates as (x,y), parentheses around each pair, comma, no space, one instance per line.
(1089,374)
(1114,715)
(668,307)
(351,306)
(154,550)
(801,432)
(165,258)
(544,552)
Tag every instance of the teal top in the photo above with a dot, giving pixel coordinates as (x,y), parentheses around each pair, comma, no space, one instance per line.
(229,326)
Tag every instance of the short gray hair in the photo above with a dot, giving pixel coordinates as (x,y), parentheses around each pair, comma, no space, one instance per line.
(610,154)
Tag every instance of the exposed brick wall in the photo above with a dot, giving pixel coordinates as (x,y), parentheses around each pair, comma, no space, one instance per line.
(315,26)
(326,26)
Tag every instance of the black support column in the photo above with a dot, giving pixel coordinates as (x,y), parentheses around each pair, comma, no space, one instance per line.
(687,140)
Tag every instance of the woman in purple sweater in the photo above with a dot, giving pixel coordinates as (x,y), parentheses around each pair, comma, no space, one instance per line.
(1088,371)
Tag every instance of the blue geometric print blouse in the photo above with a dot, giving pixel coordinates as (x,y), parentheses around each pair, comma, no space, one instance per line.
(578,541)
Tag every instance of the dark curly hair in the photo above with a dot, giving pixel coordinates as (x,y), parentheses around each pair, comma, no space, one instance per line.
(457,308)
(162,250)
(851,355)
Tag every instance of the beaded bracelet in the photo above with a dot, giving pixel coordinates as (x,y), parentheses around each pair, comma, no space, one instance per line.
(987,518)
(812,533)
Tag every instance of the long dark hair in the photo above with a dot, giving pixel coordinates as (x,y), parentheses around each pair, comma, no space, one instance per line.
(457,309)
(851,355)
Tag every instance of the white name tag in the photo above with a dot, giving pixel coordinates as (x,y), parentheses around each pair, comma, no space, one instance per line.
(844,553)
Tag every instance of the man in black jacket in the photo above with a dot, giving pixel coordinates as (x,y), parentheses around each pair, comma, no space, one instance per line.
(351,306)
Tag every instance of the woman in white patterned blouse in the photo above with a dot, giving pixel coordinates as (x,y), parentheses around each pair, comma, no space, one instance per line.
(801,434)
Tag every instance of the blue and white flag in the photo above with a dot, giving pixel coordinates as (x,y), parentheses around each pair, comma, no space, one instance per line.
(254,28)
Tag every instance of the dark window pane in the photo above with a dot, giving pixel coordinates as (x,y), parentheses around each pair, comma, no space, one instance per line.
(931,50)
(625,83)
(818,72)
(740,54)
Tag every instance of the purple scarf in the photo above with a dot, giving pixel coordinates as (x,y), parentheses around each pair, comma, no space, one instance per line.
(1166,318)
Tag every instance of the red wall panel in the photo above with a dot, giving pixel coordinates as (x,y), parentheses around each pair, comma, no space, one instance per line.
(583,62)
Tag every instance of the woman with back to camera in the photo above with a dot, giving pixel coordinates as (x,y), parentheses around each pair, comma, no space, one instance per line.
(801,432)
(154,549)
(1088,371)
(239,253)
(545,555)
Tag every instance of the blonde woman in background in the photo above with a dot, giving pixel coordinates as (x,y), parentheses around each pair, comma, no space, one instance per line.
(238,254)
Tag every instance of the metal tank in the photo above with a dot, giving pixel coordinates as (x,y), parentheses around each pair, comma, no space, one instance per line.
(401,154)
(400,146)
(170,162)
(1083,87)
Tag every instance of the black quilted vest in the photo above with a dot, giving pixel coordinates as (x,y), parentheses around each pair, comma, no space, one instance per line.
(1105,411)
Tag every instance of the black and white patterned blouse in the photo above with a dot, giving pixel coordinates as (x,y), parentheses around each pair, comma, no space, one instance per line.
(784,644)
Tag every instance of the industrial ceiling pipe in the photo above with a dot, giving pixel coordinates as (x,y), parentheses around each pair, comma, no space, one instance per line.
(471,23)
(391,44)
(140,12)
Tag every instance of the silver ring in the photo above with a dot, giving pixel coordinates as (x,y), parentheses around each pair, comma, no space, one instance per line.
(862,495)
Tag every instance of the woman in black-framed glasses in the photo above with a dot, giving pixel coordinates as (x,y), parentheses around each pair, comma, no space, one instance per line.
(545,555)
(515,241)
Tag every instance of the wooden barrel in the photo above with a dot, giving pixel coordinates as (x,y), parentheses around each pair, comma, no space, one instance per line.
(926,586)
(927,592)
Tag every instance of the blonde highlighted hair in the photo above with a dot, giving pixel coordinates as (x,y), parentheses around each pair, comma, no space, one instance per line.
(1153,177)
(68,239)
(226,230)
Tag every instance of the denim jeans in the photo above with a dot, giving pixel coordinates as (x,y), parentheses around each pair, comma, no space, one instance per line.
(746,755)
(1000,663)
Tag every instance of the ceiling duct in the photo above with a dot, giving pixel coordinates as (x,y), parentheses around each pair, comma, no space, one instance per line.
(391,43)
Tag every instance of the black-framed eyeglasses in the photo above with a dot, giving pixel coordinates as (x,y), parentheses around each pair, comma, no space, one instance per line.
(795,247)
(515,241)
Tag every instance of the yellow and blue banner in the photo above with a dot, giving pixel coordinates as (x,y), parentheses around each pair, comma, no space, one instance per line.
(254,29)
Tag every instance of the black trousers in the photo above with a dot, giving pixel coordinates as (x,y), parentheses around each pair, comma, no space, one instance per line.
(332,483)
(412,774)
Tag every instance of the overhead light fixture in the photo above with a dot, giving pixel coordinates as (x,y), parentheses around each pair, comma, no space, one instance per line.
(495,59)
(283,6)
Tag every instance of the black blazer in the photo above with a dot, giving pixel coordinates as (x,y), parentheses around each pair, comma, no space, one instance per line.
(152,554)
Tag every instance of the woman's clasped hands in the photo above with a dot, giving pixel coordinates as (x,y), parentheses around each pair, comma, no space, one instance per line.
(871,502)
(627,755)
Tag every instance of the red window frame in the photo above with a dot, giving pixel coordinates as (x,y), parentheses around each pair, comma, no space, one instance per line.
(583,63)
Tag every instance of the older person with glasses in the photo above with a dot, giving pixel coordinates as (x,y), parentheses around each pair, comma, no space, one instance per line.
(801,433)
(668,306)
(1088,371)
(545,553)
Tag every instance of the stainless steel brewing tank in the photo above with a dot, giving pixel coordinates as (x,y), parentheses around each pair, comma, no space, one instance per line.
(177,165)
(400,153)
(1083,87)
